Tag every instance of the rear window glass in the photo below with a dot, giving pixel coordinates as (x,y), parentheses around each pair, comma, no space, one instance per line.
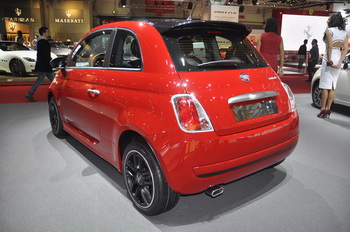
(206,50)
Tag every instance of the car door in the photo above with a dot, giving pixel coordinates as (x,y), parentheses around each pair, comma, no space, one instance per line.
(343,84)
(80,95)
(120,88)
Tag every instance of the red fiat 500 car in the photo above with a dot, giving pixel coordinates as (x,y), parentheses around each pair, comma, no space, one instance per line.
(158,101)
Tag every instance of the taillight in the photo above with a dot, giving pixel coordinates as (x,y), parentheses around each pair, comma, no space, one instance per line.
(190,114)
(292,103)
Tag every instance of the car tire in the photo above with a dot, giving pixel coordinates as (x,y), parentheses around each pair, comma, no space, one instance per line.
(145,182)
(316,95)
(55,119)
(17,68)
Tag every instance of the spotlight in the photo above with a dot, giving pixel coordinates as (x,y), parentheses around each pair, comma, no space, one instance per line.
(328,6)
(254,2)
(123,3)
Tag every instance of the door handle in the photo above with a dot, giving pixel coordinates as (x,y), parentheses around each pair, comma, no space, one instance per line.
(94,91)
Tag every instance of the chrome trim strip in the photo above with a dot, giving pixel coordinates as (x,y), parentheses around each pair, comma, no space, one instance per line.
(252,96)
(106,68)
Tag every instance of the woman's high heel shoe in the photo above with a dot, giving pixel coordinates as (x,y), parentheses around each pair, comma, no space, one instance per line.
(328,114)
(322,114)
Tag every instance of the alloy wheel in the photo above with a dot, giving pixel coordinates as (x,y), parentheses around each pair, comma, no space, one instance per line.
(17,67)
(54,117)
(139,179)
(316,96)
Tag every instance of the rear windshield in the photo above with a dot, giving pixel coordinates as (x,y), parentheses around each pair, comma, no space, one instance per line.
(205,50)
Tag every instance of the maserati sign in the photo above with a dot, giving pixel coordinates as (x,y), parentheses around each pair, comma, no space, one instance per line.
(72,16)
(18,15)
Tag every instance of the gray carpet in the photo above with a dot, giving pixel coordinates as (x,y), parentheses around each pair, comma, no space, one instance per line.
(47,184)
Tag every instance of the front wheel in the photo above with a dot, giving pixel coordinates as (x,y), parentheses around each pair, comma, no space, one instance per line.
(17,68)
(145,182)
(316,95)
(55,119)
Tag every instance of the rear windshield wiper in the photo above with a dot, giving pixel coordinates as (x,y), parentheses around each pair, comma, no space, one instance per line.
(220,63)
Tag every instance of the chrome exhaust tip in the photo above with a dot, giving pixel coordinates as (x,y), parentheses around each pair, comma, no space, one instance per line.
(214,191)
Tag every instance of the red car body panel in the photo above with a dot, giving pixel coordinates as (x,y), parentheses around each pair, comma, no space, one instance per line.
(140,102)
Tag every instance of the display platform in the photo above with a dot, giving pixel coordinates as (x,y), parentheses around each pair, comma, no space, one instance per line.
(51,184)
(7,79)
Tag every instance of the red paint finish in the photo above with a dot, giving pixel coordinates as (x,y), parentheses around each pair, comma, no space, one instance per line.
(139,100)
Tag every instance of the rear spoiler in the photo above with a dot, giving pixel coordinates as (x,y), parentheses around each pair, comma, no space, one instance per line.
(168,27)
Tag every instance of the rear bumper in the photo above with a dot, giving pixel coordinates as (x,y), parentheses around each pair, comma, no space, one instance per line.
(194,162)
(282,151)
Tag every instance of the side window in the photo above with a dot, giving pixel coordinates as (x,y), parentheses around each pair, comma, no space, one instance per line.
(91,51)
(126,51)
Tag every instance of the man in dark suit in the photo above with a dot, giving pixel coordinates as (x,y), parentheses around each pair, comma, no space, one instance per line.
(43,58)
(302,54)
(314,56)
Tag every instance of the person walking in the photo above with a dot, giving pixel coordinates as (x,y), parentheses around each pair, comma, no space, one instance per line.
(314,56)
(42,66)
(270,44)
(302,54)
(336,40)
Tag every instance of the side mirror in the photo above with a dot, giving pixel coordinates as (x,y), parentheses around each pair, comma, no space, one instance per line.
(59,63)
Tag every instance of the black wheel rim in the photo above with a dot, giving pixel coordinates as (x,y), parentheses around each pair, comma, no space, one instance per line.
(14,67)
(139,179)
(317,94)
(17,67)
(54,117)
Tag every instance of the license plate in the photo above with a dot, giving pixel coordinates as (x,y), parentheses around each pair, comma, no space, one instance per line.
(255,110)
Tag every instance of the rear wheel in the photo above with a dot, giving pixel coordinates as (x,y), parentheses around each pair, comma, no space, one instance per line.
(55,119)
(316,95)
(17,68)
(145,182)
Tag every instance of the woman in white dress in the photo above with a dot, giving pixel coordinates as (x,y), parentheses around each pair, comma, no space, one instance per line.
(336,40)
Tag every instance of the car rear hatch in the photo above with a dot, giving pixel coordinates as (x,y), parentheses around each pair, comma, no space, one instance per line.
(235,104)
(226,74)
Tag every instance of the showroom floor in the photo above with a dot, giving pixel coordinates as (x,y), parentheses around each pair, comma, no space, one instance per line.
(48,184)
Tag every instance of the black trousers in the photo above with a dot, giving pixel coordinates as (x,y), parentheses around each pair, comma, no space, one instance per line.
(311,68)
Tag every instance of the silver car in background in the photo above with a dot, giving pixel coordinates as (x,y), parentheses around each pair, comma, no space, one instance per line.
(342,92)
(59,48)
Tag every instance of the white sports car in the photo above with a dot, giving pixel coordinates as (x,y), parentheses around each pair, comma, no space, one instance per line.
(342,92)
(17,59)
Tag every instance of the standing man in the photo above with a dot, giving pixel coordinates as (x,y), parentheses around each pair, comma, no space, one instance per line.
(302,54)
(43,58)
(314,56)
